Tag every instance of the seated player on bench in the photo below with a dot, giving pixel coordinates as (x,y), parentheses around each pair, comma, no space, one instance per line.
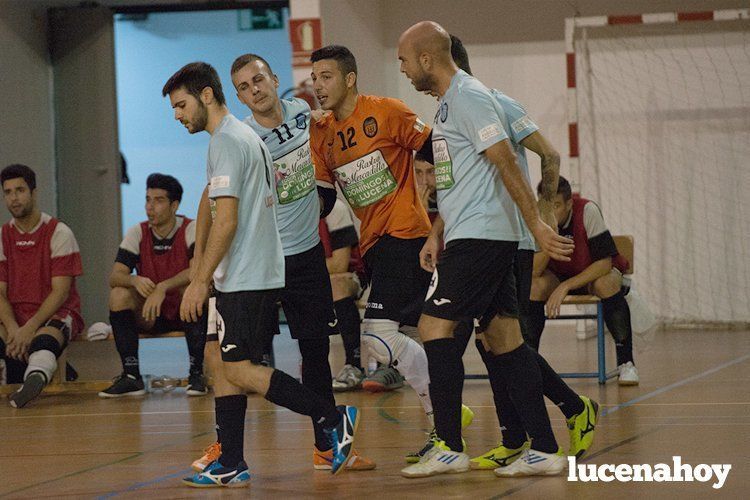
(39,305)
(595,268)
(160,250)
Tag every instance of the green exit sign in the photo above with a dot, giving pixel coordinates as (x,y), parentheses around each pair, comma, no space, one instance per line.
(271,18)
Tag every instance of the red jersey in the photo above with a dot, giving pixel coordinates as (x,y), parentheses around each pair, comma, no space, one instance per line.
(29,261)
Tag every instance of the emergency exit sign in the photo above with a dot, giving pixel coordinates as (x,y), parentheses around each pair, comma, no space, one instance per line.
(270,18)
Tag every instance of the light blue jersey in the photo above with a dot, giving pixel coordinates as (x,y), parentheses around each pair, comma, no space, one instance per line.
(298,212)
(240,166)
(518,124)
(471,196)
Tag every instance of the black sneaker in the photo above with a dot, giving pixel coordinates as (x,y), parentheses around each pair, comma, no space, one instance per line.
(196,385)
(30,389)
(124,385)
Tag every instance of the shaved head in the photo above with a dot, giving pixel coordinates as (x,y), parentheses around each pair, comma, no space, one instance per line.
(425,53)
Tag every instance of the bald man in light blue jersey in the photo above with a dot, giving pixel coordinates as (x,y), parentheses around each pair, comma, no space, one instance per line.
(580,412)
(480,189)
(238,246)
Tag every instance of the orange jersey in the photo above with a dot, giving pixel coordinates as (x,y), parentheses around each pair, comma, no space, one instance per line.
(369,155)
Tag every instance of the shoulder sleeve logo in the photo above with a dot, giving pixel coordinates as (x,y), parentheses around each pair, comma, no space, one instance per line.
(370,126)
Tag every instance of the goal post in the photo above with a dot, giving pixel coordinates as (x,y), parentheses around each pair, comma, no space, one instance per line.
(659,135)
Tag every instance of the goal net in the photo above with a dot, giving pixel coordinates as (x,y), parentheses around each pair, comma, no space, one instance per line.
(663,125)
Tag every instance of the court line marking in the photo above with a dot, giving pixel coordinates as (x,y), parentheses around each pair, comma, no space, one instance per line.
(137,486)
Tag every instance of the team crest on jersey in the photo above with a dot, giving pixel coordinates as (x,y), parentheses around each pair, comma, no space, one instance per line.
(443,112)
(370,126)
(301,120)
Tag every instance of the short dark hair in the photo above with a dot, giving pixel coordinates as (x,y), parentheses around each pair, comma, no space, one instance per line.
(459,55)
(195,77)
(16,171)
(339,53)
(425,154)
(563,188)
(166,182)
(246,59)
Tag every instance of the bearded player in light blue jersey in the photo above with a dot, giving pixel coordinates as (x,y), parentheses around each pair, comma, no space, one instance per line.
(283,125)
(480,188)
(239,248)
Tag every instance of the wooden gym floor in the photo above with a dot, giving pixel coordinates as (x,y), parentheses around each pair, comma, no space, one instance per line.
(693,401)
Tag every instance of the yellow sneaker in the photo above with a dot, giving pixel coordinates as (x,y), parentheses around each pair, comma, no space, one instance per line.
(211,453)
(467,416)
(497,457)
(322,460)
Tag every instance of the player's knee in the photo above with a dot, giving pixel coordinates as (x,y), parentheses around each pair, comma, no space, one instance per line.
(541,287)
(503,334)
(607,285)
(120,299)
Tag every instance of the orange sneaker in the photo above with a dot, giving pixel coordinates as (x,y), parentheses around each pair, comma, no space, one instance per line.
(212,453)
(322,461)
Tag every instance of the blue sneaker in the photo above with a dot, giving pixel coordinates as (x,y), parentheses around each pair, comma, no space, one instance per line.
(216,475)
(342,437)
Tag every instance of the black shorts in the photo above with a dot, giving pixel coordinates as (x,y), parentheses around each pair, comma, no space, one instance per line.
(522,270)
(241,323)
(474,279)
(397,282)
(307,298)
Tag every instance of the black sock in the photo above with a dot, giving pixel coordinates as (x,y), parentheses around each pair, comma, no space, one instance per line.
(287,392)
(617,319)
(349,326)
(125,331)
(558,391)
(195,337)
(462,334)
(316,376)
(230,424)
(524,383)
(446,369)
(511,425)
(534,324)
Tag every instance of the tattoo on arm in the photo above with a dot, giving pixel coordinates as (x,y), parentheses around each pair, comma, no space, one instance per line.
(550,175)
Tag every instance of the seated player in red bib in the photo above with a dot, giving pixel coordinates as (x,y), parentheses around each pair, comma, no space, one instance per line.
(39,305)
(594,268)
(160,250)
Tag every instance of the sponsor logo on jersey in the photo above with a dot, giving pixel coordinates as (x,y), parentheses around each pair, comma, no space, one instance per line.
(488,132)
(301,120)
(25,243)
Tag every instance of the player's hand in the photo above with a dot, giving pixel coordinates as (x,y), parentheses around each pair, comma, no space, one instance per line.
(18,343)
(144,286)
(191,307)
(318,114)
(556,246)
(429,253)
(424,195)
(152,306)
(555,300)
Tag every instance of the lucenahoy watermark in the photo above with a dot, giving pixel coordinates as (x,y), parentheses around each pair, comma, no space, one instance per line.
(677,471)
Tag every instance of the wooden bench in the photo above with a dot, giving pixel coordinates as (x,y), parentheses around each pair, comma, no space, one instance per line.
(625,246)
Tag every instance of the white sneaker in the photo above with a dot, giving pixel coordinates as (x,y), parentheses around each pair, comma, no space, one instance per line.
(349,378)
(534,463)
(628,374)
(438,460)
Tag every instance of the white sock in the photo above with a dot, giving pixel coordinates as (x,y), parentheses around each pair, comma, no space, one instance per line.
(42,361)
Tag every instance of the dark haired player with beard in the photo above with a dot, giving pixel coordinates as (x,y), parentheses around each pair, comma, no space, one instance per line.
(40,309)
(238,246)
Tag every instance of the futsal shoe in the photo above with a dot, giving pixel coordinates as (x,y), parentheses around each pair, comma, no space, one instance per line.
(581,428)
(628,374)
(534,463)
(497,457)
(216,475)
(383,379)
(30,389)
(322,460)
(438,460)
(467,416)
(342,437)
(348,379)
(124,385)
(196,385)
(210,454)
